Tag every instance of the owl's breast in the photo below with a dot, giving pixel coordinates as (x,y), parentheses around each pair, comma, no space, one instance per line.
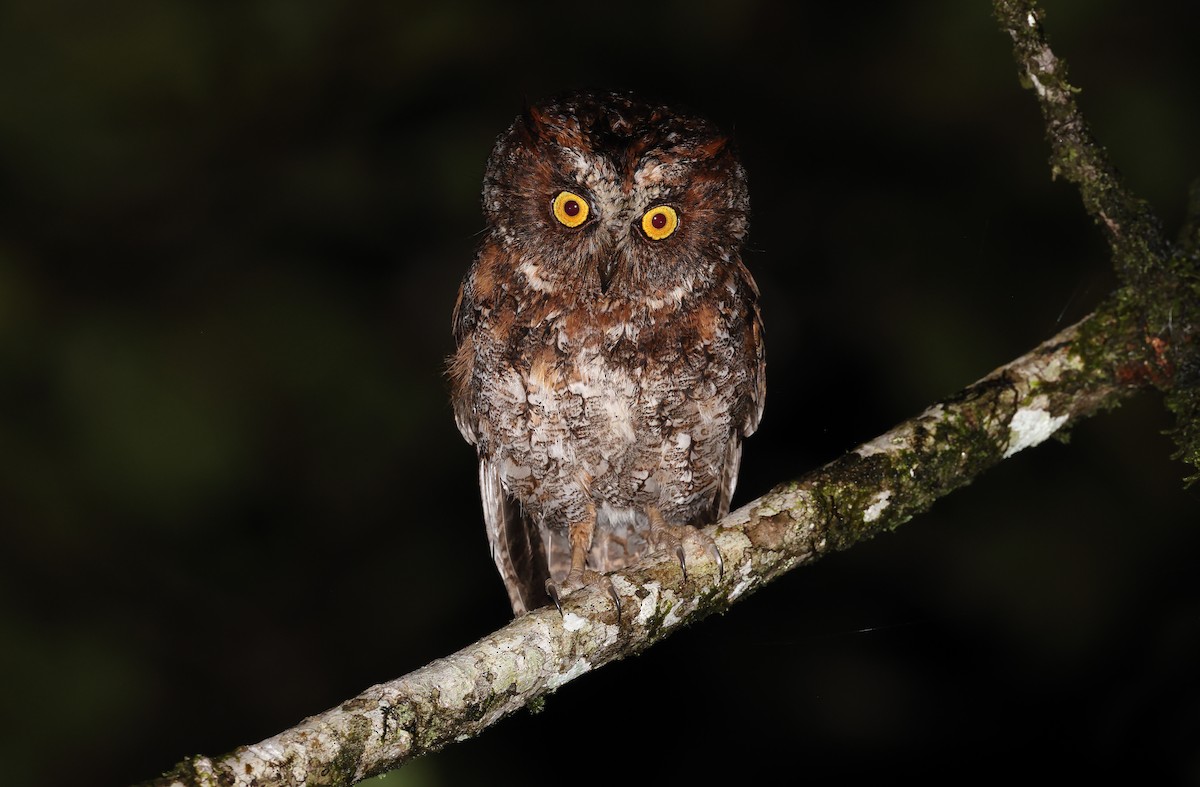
(611,404)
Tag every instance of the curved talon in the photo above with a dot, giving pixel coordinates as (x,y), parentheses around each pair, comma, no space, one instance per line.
(612,593)
(682,561)
(552,590)
(711,546)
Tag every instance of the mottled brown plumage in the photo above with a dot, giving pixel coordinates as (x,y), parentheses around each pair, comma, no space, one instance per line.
(606,372)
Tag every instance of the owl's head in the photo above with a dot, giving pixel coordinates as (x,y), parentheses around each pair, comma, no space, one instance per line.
(606,192)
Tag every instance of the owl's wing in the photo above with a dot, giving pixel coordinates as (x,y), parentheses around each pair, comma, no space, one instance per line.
(757,392)
(729,475)
(461,367)
(750,409)
(514,538)
(516,543)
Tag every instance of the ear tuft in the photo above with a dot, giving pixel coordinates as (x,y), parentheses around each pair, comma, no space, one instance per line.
(532,123)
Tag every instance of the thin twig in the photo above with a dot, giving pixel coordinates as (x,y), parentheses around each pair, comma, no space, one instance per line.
(1132,229)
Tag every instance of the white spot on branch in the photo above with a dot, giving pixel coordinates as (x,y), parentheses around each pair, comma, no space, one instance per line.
(649,603)
(1037,85)
(884,444)
(1031,426)
(876,508)
(744,572)
(574,671)
(671,619)
(573,622)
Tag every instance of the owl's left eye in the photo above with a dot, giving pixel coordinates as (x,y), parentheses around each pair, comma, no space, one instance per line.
(570,209)
(659,222)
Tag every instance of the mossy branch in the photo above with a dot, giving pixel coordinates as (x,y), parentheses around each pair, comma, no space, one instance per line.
(1086,368)
(1162,280)
(876,487)
(1184,398)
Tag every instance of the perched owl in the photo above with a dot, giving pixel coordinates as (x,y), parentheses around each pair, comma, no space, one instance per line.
(610,355)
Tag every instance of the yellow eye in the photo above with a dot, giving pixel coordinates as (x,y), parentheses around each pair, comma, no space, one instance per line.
(570,209)
(659,222)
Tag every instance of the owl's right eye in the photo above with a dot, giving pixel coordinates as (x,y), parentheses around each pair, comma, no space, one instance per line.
(571,210)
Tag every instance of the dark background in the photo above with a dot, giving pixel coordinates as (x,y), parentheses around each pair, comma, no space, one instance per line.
(231,489)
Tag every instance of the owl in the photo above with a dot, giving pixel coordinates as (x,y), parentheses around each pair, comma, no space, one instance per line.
(609,343)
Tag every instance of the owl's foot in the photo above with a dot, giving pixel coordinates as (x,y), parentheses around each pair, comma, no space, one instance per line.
(577,578)
(665,536)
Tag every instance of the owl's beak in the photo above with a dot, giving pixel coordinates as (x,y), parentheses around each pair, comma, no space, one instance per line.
(607,268)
